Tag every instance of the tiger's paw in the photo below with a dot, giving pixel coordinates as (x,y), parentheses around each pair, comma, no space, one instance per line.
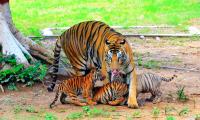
(132,103)
(83,104)
(112,103)
(92,103)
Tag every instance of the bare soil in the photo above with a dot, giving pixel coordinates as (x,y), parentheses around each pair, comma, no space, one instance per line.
(178,52)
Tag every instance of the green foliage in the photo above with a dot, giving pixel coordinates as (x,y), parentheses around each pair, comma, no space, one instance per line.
(137,114)
(17,109)
(10,59)
(139,60)
(27,13)
(155,112)
(86,109)
(12,86)
(50,116)
(75,115)
(18,73)
(181,94)
(170,118)
(151,64)
(113,109)
(184,111)
(30,109)
(197,117)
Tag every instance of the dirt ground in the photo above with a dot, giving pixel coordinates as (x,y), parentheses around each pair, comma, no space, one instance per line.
(181,53)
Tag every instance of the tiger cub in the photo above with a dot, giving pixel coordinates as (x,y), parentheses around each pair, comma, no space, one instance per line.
(149,82)
(75,86)
(115,93)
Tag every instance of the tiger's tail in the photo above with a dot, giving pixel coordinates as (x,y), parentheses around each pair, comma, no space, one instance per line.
(168,79)
(57,51)
(55,99)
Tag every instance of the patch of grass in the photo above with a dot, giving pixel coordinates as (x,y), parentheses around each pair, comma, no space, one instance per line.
(75,115)
(137,114)
(31,109)
(30,16)
(170,118)
(181,94)
(184,111)
(50,116)
(18,109)
(155,112)
(197,117)
(151,64)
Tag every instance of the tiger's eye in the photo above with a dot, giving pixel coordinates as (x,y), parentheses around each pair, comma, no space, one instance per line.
(107,42)
(122,42)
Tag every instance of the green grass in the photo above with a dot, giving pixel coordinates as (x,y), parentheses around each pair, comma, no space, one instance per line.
(32,15)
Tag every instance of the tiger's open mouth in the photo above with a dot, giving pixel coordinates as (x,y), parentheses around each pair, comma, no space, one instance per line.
(117,75)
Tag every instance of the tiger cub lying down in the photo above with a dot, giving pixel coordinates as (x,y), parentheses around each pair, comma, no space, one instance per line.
(115,93)
(83,85)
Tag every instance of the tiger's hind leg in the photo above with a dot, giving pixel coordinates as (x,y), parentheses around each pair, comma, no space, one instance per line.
(157,99)
(117,101)
(55,99)
(76,101)
(63,98)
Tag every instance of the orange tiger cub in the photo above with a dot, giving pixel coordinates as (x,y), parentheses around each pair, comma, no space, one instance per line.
(81,84)
(114,93)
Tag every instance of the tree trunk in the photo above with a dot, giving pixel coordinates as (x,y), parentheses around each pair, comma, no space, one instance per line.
(13,42)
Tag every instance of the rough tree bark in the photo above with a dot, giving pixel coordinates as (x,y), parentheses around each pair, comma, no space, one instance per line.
(13,42)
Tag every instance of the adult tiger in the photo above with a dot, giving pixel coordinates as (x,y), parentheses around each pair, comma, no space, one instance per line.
(94,44)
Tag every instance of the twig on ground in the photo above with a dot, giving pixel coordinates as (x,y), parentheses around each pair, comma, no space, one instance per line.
(1,88)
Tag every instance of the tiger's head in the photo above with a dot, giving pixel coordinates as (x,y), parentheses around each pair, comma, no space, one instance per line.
(97,75)
(116,54)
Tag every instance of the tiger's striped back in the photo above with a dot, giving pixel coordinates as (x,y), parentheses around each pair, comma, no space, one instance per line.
(149,82)
(111,92)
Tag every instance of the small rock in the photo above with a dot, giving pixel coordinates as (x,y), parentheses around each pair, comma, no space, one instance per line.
(142,37)
(157,38)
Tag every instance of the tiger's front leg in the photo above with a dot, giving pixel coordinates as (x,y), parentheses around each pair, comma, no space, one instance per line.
(132,101)
(87,96)
(105,73)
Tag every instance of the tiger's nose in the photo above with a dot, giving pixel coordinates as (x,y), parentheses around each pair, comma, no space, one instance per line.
(115,72)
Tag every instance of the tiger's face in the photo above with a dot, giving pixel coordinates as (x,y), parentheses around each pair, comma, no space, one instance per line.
(97,75)
(116,56)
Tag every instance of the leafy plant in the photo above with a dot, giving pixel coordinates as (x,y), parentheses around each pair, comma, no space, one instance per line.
(113,109)
(50,116)
(181,94)
(17,109)
(137,114)
(155,112)
(18,73)
(12,86)
(139,60)
(170,118)
(197,117)
(151,64)
(95,112)
(75,115)
(30,109)
(86,109)
(184,111)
